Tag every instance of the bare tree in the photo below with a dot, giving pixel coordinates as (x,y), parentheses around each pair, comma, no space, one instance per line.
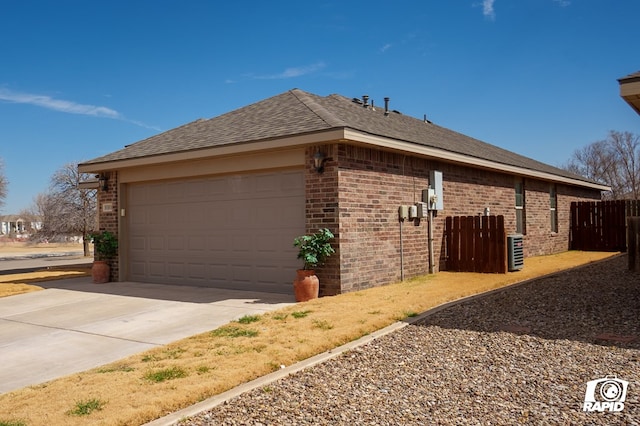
(625,150)
(3,184)
(45,207)
(614,161)
(67,209)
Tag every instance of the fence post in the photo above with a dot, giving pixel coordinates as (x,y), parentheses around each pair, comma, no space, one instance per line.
(502,254)
(633,226)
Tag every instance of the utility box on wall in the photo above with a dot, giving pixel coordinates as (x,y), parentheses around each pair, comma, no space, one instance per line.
(433,196)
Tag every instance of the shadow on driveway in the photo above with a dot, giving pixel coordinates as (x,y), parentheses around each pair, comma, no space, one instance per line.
(178,293)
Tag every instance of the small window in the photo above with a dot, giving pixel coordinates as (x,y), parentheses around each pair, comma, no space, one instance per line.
(520,209)
(553,208)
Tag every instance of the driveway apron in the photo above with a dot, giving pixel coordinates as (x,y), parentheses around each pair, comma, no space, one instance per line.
(75,325)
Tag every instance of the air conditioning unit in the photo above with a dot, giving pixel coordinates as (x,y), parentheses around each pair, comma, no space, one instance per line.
(515,252)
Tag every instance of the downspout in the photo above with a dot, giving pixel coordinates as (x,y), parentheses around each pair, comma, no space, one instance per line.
(401,253)
(430,241)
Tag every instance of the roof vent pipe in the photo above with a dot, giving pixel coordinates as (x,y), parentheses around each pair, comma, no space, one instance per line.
(365,101)
(386,106)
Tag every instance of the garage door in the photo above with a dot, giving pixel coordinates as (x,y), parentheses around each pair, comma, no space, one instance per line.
(231,232)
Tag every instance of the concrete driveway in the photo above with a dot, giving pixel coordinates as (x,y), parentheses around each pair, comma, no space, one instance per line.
(74,325)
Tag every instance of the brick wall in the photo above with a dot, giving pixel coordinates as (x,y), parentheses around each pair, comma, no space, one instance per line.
(108,220)
(373,184)
(374,248)
(538,238)
(321,191)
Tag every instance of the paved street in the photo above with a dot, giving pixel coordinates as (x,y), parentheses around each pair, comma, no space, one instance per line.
(25,262)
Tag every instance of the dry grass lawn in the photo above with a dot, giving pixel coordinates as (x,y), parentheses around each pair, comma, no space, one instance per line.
(19,247)
(23,283)
(149,385)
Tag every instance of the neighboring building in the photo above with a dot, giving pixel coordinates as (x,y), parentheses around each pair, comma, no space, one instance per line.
(630,90)
(218,202)
(18,226)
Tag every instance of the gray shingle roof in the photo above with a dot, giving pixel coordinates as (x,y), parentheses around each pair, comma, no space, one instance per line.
(630,78)
(298,112)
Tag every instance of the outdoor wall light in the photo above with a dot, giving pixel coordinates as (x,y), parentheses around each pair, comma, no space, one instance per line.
(318,161)
(103,182)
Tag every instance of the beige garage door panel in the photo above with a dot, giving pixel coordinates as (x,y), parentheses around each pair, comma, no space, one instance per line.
(233,231)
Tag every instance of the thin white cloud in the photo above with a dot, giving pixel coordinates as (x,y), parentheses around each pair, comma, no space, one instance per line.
(65,106)
(293,72)
(487,9)
(141,124)
(385,47)
(57,104)
(562,3)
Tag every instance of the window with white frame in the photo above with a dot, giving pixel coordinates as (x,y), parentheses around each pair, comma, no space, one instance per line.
(553,208)
(520,209)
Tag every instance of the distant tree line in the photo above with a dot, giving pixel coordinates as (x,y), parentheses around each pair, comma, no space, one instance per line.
(614,161)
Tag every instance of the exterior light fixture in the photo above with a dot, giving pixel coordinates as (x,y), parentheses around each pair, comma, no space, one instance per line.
(103,182)
(318,161)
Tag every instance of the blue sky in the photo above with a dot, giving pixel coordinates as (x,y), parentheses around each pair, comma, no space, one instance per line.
(79,79)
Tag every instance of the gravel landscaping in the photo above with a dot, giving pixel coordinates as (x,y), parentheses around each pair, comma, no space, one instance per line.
(518,356)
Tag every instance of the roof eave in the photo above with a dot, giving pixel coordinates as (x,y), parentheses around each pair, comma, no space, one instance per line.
(630,91)
(218,151)
(454,157)
(323,137)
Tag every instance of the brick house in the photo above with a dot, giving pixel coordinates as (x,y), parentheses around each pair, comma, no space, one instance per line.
(218,202)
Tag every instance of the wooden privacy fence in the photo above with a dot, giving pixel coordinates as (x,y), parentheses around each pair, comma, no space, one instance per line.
(601,225)
(476,244)
(633,241)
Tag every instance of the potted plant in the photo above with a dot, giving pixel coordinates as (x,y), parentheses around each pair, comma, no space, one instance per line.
(314,249)
(105,247)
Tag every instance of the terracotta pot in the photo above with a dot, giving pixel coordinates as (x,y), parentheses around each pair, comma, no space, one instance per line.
(100,272)
(306,285)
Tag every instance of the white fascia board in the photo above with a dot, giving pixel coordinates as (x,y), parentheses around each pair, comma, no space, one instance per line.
(454,157)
